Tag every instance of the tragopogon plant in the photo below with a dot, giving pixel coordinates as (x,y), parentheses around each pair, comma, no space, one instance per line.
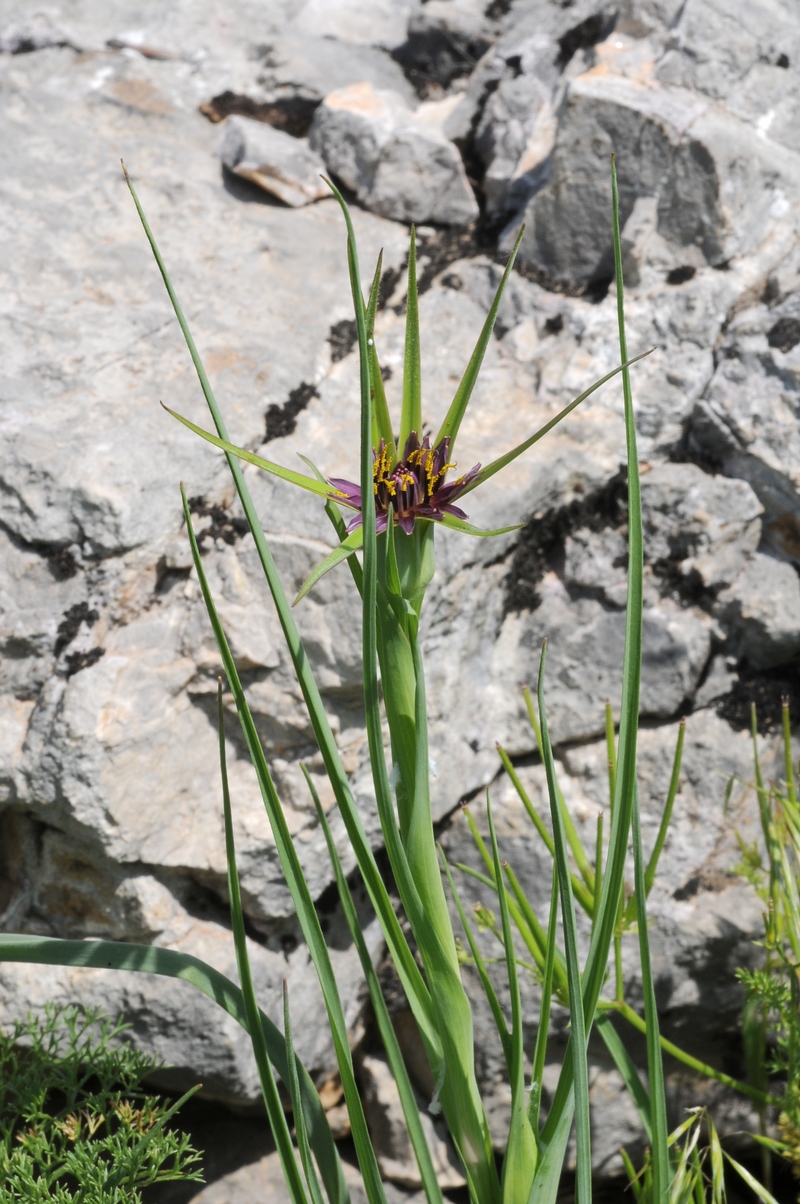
(402,493)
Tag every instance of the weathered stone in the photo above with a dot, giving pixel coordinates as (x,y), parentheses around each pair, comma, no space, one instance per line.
(37,33)
(708,526)
(363,22)
(278,163)
(398,162)
(309,65)
(389,1134)
(762,607)
(682,150)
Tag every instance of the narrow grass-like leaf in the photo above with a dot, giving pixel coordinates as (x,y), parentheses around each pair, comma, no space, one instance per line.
(625,776)
(559,969)
(503,461)
(309,1170)
(411,417)
(381,419)
(390,1043)
(633,1178)
(277,470)
(519,1164)
(298,888)
(269,1089)
(340,527)
(458,406)
(480,966)
(625,1065)
(345,549)
(674,783)
(702,1068)
(413,984)
(583,1184)
(170,963)
(581,891)
(598,866)
(540,1049)
(460,524)
(655,1067)
(761,1192)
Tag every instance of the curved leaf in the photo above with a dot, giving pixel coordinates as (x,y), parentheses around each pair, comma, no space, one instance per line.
(350,545)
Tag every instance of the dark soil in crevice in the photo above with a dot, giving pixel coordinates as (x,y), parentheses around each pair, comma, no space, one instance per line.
(292,115)
(595,291)
(585,34)
(432,59)
(766,688)
(282,420)
(225,526)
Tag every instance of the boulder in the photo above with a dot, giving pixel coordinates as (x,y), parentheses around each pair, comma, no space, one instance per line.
(398,162)
(282,165)
(762,609)
(361,22)
(308,65)
(708,526)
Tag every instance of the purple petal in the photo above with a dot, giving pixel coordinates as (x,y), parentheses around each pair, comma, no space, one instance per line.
(406,521)
(351,493)
(456,511)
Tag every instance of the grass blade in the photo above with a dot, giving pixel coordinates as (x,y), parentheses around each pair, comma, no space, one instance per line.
(519,1164)
(170,963)
(625,1066)
(655,1066)
(458,406)
(674,782)
(309,1169)
(583,1186)
(398,1067)
(411,417)
(540,1050)
(275,1113)
(504,460)
(381,419)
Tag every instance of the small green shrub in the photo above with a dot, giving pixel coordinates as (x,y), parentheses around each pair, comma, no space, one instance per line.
(76,1126)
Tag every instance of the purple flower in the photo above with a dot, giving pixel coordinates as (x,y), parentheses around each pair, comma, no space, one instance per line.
(414,488)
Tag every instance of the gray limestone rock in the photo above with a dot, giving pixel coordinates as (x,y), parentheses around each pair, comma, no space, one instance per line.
(309,64)
(276,162)
(390,1137)
(708,526)
(398,162)
(762,609)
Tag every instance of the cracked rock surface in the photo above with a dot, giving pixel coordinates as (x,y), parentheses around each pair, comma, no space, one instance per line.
(111,809)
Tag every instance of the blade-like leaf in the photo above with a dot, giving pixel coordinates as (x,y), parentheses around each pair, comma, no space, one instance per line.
(652,864)
(413,984)
(169,963)
(502,461)
(460,524)
(411,417)
(625,775)
(458,406)
(298,888)
(277,470)
(627,1069)
(381,419)
(309,1170)
(269,1089)
(519,1164)
(350,545)
(580,1069)
(390,1043)
(765,1196)
(480,966)
(540,1050)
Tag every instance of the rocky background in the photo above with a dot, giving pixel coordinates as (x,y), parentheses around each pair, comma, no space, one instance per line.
(467,118)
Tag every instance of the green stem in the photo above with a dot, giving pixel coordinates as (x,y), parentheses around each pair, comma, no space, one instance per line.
(710,1072)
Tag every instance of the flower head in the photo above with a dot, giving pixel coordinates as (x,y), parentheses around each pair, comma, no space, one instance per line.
(412,488)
